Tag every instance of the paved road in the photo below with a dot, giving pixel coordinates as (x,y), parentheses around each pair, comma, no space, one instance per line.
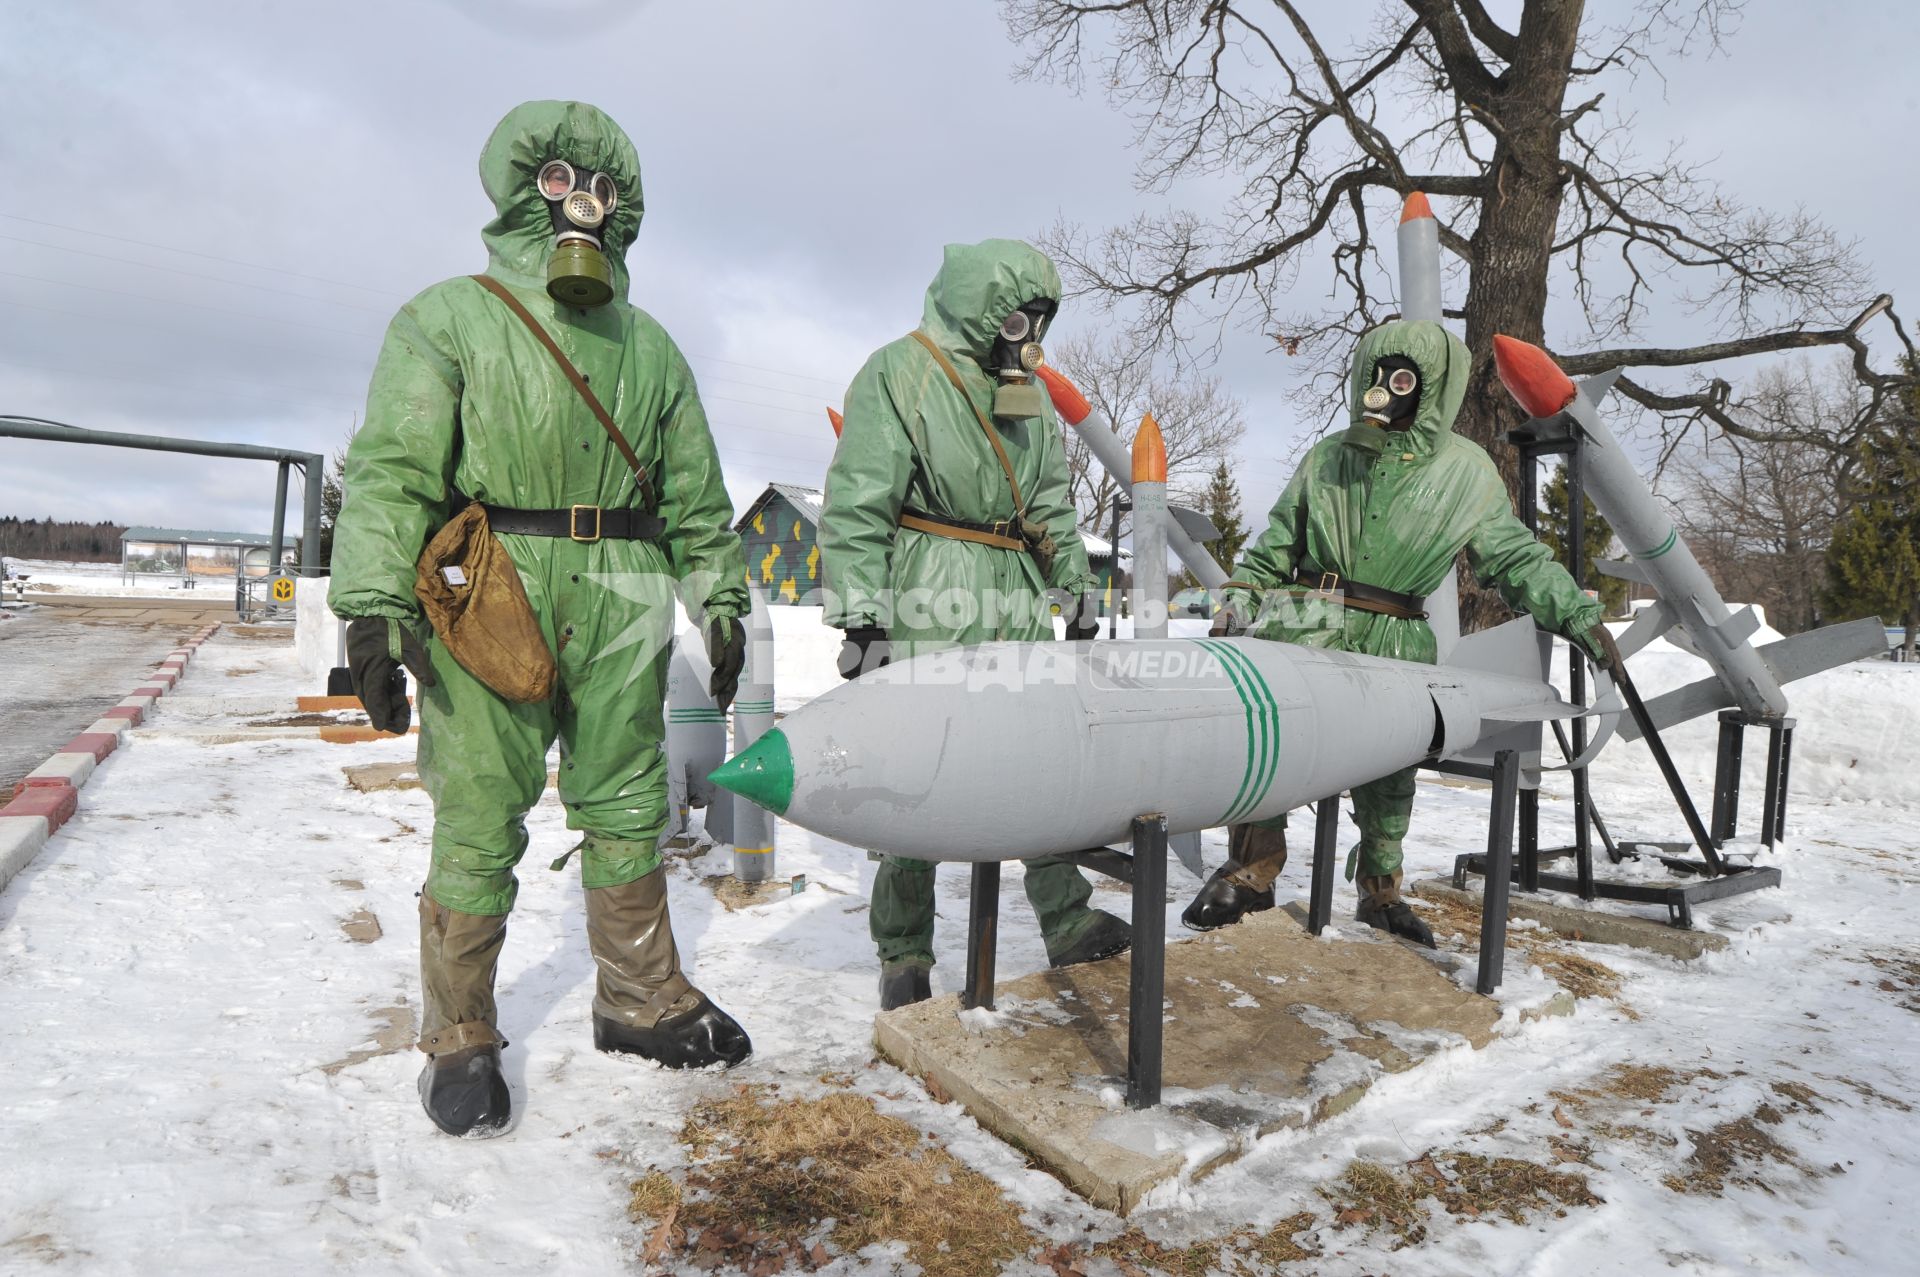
(64,664)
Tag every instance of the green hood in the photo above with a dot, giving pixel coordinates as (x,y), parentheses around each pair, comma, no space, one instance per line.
(520,237)
(1443,362)
(978,286)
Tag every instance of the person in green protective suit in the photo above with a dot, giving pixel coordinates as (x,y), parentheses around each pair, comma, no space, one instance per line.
(1369,525)
(921,540)
(467,405)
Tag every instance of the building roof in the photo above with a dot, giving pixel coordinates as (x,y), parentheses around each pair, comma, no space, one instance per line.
(193,537)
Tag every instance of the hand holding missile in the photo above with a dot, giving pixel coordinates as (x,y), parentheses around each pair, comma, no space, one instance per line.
(865,649)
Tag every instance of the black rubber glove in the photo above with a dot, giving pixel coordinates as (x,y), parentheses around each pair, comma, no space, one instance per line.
(866,649)
(727,652)
(377,646)
(1081,613)
(1598,643)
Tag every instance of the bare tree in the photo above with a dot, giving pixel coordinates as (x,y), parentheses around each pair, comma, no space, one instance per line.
(1759,515)
(1201,423)
(1532,169)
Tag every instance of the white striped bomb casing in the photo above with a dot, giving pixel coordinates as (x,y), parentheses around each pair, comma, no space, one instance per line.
(1004,750)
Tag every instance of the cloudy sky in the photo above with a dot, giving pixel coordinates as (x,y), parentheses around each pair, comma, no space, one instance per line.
(213,208)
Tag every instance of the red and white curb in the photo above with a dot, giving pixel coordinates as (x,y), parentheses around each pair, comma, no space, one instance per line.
(50,794)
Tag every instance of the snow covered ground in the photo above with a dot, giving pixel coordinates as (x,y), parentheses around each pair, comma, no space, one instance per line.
(61,576)
(207,1072)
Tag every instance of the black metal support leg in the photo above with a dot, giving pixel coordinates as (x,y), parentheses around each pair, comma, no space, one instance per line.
(1530,840)
(1780,791)
(1326,833)
(983,934)
(1146,986)
(1726,777)
(1493,903)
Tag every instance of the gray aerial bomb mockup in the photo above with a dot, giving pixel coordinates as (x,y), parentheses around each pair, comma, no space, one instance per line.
(914,758)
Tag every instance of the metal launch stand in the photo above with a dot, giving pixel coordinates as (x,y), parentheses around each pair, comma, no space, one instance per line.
(1714,877)
(1145,869)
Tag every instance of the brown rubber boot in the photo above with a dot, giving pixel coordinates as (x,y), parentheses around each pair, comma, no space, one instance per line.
(461,1086)
(1243,885)
(642,1003)
(1383,908)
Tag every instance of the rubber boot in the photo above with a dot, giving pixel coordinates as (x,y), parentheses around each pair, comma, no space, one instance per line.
(642,1004)
(461,1087)
(1244,884)
(1382,908)
(1105,936)
(904,982)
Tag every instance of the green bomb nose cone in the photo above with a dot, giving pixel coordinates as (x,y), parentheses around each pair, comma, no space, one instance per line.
(762,775)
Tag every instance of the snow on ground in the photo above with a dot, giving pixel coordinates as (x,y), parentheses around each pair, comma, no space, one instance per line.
(60,576)
(196,1079)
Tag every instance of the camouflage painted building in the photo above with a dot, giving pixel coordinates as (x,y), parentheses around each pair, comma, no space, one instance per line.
(778,529)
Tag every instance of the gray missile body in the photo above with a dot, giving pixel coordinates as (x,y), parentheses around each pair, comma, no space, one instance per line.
(753,832)
(1687,604)
(1005,750)
(1419,244)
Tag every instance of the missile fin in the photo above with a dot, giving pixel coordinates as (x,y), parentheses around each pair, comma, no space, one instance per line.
(1650,624)
(1597,387)
(1196,525)
(1625,570)
(1790,660)
(1739,627)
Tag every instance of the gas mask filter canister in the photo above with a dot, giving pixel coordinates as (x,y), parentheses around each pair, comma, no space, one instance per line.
(579,204)
(1015,357)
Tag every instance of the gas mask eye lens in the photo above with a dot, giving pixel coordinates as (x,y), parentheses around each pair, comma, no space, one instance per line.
(1401,381)
(1017,327)
(604,191)
(582,209)
(555,180)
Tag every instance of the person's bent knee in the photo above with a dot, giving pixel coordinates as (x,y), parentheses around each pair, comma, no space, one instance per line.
(487,893)
(615,862)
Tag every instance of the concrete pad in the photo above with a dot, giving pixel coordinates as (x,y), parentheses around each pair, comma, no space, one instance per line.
(1591,925)
(1266,1028)
(53,803)
(61,769)
(21,838)
(96,744)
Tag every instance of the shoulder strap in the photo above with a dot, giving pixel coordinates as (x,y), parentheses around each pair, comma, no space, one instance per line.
(600,413)
(993,436)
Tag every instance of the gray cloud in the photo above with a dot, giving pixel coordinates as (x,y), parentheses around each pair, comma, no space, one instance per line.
(803,165)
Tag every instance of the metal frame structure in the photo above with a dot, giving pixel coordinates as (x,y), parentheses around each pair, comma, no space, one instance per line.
(1144,867)
(1715,877)
(312,464)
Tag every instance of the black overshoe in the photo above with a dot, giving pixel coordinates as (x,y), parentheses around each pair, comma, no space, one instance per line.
(465,1094)
(1397,919)
(1222,901)
(701,1035)
(903,984)
(1105,936)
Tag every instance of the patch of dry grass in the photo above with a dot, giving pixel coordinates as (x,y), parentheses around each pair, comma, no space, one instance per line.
(1900,977)
(1730,1152)
(770,1172)
(1244,1253)
(1577,974)
(1467,1185)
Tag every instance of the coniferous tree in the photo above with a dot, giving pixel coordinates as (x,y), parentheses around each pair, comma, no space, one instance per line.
(1597,538)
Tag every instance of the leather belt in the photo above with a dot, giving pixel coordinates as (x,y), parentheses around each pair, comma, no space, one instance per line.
(586,523)
(1335,588)
(1003,533)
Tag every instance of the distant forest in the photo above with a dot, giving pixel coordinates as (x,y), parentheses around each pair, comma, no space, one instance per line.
(60,539)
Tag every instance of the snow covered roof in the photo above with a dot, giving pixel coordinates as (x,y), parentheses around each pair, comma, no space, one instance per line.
(193,537)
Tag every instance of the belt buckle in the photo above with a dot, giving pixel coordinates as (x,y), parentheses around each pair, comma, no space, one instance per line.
(1329,583)
(1003,528)
(573,524)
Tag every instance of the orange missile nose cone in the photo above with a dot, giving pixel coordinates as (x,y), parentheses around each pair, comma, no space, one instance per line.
(1149,452)
(1531,376)
(837,420)
(1415,208)
(1067,399)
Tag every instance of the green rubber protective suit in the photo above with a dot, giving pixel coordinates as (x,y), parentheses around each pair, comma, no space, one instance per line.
(911,441)
(1393,508)
(465,400)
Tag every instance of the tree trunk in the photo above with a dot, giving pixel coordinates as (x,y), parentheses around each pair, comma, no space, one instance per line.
(1513,243)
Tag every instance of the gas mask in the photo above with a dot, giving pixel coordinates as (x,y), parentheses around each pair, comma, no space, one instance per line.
(1016,354)
(1395,392)
(579,204)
